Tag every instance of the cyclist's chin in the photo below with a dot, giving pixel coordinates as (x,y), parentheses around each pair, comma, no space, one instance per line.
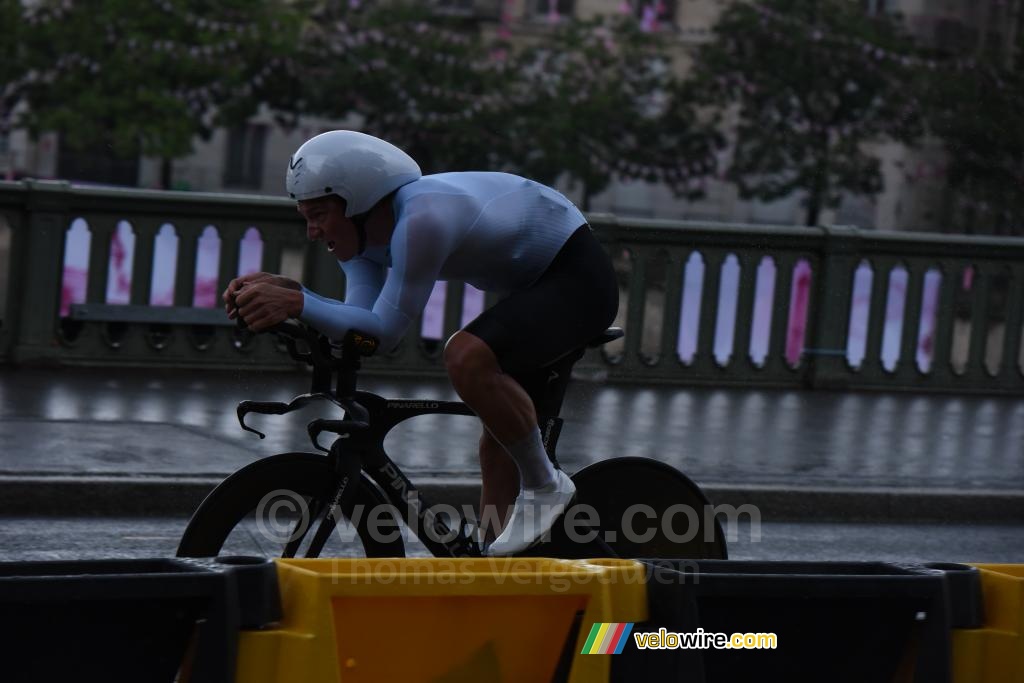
(339,250)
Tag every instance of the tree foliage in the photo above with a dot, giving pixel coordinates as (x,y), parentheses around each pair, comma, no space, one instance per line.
(148,78)
(598,100)
(588,102)
(976,108)
(13,75)
(426,82)
(810,83)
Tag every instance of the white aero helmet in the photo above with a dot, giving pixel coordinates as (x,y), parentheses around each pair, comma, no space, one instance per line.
(359,168)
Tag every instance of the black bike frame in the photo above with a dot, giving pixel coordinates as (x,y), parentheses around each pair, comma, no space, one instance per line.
(359,445)
(362,449)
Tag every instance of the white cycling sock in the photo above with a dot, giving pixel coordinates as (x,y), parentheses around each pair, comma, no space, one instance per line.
(535,468)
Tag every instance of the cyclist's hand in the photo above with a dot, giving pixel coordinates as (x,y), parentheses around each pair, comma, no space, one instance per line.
(262,304)
(235,286)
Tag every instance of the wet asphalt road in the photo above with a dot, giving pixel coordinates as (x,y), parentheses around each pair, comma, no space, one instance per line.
(144,423)
(40,538)
(95,421)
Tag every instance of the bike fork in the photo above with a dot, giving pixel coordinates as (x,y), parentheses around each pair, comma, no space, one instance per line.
(332,510)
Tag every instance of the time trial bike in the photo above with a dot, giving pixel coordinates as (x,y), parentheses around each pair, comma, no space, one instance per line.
(353,499)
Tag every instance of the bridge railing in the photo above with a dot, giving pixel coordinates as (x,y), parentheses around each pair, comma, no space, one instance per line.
(103,276)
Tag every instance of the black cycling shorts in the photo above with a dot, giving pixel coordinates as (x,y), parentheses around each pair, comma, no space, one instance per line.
(572,303)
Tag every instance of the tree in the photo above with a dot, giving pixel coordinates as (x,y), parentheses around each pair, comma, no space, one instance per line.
(976,108)
(426,82)
(599,100)
(147,78)
(591,100)
(811,82)
(14,77)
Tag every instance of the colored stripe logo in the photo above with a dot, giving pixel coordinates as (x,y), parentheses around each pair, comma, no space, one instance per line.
(607,639)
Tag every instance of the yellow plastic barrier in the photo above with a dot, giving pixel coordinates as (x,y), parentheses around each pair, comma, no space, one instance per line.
(995,652)
(489,619)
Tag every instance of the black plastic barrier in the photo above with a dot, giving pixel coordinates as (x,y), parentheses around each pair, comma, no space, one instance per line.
(130,620)
(861,622)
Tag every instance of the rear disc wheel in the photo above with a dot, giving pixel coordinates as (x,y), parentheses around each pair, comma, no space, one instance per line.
(643,508)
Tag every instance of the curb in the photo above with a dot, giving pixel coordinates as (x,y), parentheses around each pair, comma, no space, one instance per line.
(173,496)
(874,504)
(151,496)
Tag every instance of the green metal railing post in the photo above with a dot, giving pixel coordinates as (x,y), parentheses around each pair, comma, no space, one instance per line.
(1010,371)
(14,213)
(825,360)
(46,203)
(636,298)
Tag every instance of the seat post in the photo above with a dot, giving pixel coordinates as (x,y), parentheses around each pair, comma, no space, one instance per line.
(558,375)
(559,372)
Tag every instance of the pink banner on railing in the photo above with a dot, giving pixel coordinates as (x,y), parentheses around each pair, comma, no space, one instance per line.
(798,311)
(119,274)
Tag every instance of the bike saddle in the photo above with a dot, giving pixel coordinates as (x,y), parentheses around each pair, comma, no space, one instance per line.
(570,357)
(609,335)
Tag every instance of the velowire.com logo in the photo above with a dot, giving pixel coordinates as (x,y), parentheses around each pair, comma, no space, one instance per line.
(607,639)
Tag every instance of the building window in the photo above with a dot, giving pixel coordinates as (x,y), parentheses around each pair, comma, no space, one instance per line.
(474,9)
(553,9)
(874,7)
(654,13)
(243,165)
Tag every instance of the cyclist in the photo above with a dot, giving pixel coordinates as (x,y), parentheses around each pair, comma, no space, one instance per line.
(395,232)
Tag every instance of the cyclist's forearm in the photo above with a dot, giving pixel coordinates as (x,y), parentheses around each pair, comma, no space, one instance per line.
(309,292)
(335,319)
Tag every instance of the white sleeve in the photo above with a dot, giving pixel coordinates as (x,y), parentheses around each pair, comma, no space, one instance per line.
(335,319)
(418,253)
(363,281)
(419,249)
(311,293)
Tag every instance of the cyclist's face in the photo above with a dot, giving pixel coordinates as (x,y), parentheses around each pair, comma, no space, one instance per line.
(326,222)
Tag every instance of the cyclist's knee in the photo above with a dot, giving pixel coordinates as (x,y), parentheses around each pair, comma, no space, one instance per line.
(468,358)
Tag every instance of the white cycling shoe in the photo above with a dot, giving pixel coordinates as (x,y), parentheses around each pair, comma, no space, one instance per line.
(534,513)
